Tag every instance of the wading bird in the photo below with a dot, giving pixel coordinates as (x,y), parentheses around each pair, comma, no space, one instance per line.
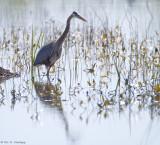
(51,52)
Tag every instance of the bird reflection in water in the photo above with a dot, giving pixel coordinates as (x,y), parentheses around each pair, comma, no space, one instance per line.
(50,96)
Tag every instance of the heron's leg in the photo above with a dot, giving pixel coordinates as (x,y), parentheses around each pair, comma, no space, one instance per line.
(48,69)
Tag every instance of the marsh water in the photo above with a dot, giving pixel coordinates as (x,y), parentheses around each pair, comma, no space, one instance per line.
(105,87)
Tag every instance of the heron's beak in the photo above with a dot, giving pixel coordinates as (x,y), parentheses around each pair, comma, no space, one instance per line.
(81,18)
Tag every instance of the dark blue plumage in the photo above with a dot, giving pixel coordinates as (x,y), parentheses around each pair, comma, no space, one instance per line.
(51,52)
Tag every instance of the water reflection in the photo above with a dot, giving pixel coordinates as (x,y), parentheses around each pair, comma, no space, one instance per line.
(50,97)
(97,93)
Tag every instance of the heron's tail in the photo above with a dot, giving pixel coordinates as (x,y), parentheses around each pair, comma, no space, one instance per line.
(35,63)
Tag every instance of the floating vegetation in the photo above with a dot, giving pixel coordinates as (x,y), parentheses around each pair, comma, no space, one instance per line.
(99,63)
(6,74)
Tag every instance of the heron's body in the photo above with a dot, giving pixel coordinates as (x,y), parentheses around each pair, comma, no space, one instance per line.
(44,54)
(51,52)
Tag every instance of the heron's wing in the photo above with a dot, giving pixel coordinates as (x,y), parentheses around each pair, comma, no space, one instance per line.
(44,53)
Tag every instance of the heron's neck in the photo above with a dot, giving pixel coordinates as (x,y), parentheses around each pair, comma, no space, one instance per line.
(63,36)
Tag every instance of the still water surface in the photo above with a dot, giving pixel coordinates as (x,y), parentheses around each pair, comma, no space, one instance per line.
(36,119)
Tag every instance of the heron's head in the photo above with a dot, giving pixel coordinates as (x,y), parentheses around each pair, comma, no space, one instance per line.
(76,15)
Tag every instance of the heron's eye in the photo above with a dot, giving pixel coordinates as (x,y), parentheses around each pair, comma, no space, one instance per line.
(75,13)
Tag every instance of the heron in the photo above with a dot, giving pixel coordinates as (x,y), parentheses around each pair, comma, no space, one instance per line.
(51,52)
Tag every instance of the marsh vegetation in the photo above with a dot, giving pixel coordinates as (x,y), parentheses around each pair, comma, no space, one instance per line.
(104,70)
